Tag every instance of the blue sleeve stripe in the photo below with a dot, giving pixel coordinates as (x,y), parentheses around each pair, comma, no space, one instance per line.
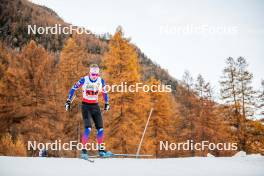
(71,93)
(105,97)
(105,94)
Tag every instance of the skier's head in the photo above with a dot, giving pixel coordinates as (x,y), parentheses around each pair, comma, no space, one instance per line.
(94,71)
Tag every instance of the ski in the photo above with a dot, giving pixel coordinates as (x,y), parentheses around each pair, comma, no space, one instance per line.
(89,160)
(120,155)
(86,158)
(131,155)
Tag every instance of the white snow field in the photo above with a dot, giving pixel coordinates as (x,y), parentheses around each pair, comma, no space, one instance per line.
(196,166)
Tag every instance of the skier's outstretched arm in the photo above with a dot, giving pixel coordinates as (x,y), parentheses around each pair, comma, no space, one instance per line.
(105,95)
(72,91)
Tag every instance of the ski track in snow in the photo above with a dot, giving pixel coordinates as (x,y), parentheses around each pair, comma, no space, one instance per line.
(193,166)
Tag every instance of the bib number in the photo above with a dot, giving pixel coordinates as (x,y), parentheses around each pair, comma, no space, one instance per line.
(91,92)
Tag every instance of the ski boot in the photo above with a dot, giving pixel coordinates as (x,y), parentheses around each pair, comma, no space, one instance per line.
(105,154)
(84,154)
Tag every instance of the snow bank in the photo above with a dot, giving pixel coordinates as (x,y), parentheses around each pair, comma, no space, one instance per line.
(196,166)
(240,154)
(210,155)
(244,154)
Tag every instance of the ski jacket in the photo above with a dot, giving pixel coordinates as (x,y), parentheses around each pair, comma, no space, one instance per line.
(90,89)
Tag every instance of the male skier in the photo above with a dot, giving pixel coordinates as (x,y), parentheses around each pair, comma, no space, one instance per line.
(91,85)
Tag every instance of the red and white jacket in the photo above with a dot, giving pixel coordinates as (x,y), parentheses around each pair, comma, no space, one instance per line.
(90,89)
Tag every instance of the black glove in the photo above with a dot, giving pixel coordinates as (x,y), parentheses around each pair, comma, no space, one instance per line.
(107,107)
(68,105)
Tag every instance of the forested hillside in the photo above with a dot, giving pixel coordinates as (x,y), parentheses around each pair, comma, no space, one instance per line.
(37,71)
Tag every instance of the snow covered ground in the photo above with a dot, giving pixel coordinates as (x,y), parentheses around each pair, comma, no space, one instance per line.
(197,166)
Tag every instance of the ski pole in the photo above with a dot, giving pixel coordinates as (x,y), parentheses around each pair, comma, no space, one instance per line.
(72,101)
(146,126)
(73,98)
